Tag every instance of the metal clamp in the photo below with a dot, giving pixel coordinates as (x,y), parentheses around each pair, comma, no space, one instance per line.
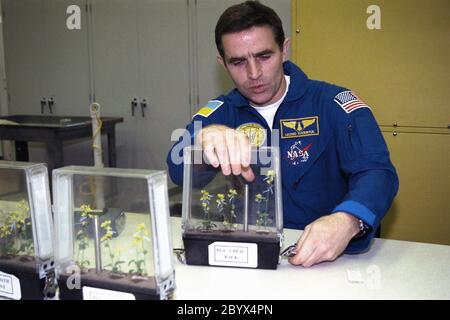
(50,285)
(179,252)
(47,272)
(289,251)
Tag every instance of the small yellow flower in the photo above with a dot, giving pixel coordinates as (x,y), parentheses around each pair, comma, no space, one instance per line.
(137,240)
(23,205)
(86,211)
(86,208)
(206,196)
(107,236)
(5,231)
(20,223)
(231,193)
(106,224)
(259,197)
(140,228)
(270,176)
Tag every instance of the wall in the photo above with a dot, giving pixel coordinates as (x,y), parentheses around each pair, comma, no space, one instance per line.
(402,71)
(5,146)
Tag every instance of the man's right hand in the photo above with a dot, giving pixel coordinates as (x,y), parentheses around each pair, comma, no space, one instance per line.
(227,148)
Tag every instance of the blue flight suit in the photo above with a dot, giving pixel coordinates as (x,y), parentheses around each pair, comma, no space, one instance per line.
(333,155)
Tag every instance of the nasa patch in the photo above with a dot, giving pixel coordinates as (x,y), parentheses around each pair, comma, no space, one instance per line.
(297,153)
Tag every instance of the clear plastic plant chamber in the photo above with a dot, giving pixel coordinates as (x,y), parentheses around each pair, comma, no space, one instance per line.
(26,232)
(112,233)
(228,221)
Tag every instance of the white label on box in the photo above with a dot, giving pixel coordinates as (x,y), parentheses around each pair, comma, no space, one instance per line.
(90,293)
(10,286)
(233,254)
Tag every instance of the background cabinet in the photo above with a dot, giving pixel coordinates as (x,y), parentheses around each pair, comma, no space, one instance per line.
(402,71)
(46,64)
(43,58)
(140,58)
(420,212)
(160,52)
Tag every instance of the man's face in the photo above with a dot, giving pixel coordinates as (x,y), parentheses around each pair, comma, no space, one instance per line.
(254,62)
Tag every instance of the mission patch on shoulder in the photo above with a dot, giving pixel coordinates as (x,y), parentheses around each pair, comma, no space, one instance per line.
(210,107)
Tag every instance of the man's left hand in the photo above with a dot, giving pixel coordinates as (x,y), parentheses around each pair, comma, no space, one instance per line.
(325,239)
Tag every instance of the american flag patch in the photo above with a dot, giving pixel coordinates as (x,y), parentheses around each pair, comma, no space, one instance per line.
(349,101)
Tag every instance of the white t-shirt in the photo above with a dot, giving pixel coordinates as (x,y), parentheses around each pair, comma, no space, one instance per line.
(268,112)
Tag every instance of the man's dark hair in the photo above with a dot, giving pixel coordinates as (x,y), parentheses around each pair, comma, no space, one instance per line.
(245,15)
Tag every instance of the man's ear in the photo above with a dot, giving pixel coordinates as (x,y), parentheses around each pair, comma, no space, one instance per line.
(221,61)
(286,44)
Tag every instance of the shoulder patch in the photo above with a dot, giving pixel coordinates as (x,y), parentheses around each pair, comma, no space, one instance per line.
(349,101)
(210,107)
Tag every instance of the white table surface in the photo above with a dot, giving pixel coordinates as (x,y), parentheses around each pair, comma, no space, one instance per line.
(391,269)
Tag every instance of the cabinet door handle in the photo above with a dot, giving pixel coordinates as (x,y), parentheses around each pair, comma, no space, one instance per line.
(51,103)
(134,104)
(43,103)
(143,106)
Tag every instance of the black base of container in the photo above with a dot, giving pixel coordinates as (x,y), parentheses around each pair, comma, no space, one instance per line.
(196,246)
(141,289)
(24,268)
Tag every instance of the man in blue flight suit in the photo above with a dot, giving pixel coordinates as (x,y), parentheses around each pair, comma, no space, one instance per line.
(338,181)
